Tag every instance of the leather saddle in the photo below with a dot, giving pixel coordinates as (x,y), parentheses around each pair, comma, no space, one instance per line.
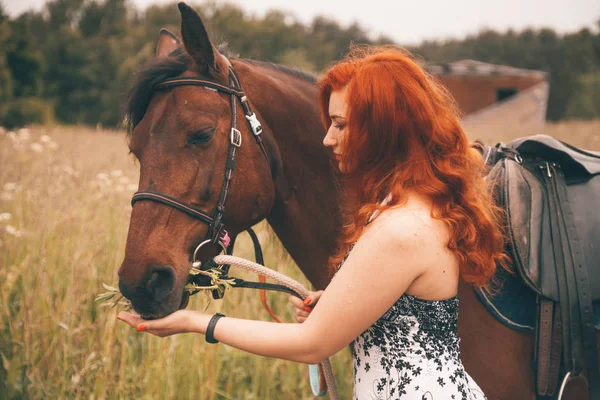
(550,192)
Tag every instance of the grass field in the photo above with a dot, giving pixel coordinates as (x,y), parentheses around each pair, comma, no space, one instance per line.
(64,213)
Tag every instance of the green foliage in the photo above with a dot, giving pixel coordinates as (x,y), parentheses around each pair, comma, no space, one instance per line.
(586,101)
(565,58)
(25,110)
(80,55)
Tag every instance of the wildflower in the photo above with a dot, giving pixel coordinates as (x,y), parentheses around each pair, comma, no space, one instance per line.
(10,186)
(11,230)
(52,145)
(132,187)
(116,173)
(45,139)
(70,171)
(36,147)
(23,133)
(5,216)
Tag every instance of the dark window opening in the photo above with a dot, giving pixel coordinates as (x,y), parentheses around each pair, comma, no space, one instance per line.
(505,93)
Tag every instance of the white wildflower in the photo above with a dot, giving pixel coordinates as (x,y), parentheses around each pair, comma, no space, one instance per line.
(75,379)
(10,186)
(45,139)
(116,173)
(36,147)
(5,216)
(70,171)
(23,133)
(132,187)
(11,230)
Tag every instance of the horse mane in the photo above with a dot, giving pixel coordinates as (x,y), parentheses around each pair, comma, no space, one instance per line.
(292,71)
(161,69)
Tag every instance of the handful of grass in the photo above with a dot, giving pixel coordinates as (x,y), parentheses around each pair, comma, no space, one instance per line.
(199,281)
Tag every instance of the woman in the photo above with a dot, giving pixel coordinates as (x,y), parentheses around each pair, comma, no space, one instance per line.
(419,219)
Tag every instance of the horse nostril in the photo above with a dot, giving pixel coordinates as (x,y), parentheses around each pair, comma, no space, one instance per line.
(161,282)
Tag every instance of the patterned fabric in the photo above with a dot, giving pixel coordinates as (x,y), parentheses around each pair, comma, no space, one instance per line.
(412,352)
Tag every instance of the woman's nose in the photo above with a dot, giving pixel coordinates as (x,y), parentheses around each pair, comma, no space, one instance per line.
(329,140)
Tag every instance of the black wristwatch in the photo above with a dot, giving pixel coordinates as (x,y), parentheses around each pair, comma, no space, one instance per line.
(210,329)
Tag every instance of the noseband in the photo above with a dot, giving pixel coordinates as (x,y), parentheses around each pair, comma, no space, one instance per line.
(216,233)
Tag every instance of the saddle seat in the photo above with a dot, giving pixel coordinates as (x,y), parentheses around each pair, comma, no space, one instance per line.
(519,174)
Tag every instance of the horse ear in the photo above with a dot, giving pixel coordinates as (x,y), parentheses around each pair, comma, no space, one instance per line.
(167,42)
(195,39)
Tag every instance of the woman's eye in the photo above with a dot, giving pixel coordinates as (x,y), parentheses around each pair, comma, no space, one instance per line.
(200,137)
(340,127)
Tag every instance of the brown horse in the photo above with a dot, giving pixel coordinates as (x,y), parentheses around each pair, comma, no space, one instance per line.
(181,137)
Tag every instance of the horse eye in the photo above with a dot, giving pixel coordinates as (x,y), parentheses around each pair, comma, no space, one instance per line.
(200,137)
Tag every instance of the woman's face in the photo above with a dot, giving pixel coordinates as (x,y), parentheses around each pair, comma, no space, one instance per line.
(337,130)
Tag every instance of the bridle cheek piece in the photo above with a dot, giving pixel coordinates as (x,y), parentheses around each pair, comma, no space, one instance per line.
(216,232)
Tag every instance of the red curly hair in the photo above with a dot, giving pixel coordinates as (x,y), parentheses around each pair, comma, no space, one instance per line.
(403,133)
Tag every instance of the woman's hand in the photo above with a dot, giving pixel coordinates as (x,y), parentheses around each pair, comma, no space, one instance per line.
(302,309)
(181,321)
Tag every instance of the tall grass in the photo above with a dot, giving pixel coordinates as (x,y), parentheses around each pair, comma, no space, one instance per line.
(64,201)
(64,213)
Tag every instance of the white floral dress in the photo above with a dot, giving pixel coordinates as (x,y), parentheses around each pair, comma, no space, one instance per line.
(412,352)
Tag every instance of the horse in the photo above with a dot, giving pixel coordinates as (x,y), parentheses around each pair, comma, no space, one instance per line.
(183,117)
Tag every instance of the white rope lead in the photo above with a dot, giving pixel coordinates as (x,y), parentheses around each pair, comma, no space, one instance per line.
(292,284)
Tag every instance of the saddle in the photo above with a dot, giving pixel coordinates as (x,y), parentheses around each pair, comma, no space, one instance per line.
(550,192)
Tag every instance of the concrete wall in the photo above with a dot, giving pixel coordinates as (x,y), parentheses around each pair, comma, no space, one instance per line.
(523,115)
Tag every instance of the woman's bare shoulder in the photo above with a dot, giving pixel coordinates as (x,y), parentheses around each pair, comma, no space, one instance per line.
(412,222)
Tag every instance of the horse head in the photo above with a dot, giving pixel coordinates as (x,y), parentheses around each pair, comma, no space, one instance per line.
(183,134)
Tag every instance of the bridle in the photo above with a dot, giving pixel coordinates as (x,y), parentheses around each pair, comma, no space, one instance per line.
(216,232)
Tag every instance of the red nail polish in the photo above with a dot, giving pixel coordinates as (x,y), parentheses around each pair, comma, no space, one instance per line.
(307,301)
(140,328)
(307,309)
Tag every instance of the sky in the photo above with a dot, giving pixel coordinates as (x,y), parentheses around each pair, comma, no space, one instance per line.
(410,22)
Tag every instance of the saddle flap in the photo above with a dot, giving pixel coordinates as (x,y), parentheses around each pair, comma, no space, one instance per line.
(526,220)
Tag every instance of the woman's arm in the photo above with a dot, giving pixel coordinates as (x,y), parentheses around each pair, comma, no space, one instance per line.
(394,250)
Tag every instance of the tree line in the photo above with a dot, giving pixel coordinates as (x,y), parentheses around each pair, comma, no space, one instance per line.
(72,61)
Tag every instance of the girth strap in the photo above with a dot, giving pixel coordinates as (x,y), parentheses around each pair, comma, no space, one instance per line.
(579,337)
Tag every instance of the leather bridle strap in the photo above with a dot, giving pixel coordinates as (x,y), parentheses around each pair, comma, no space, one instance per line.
(190,210)
(216,231)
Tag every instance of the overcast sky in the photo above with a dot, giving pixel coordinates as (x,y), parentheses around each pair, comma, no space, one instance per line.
(410,22)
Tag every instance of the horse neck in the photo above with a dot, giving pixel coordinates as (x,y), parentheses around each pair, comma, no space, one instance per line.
(305,215)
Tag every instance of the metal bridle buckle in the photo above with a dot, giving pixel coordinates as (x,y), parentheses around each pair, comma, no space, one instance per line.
(254,123)
(236,137)
(198,264)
